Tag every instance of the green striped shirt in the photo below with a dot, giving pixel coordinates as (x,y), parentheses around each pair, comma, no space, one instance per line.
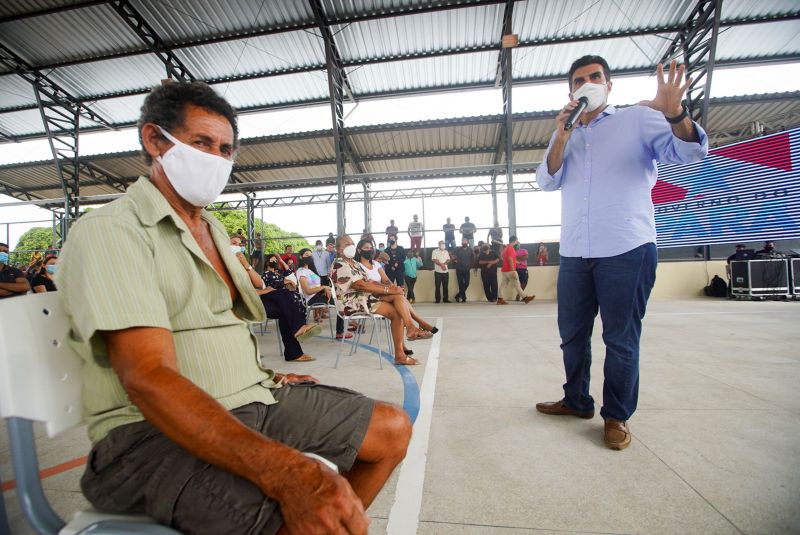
(134,263)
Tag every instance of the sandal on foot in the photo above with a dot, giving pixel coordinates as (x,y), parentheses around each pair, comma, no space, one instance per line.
(313,330)
(304,358)
(419,335)
(407,361)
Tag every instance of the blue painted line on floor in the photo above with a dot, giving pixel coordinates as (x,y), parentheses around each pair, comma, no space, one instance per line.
(410,386)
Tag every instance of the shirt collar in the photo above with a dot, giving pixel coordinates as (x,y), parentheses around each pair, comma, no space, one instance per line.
(151,205)
(609,110)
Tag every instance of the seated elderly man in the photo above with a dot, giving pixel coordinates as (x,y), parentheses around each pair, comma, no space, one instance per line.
(356,293)
(185,425)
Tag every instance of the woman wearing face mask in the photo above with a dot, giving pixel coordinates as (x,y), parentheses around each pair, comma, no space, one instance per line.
(314,291)
(356,292)
(282,302)
(44,280)
(365,253)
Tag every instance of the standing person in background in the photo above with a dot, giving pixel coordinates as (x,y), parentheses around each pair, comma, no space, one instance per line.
(257,255)
(415,230)
(464,258)
(495,239)
(488,261)
(242,238)
(441,273)
(391,231)
(12,281)
(606,169)
(330,240)
(467,231)
(522,268)
(509,271)
(542,256)
(449,235)
(410,266)
(330,248)
(322,263)
(367,235)
(395,268)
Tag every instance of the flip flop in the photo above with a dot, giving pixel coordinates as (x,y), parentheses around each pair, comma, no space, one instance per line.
(421,335)
(408,361)
(308,333)
(303,358)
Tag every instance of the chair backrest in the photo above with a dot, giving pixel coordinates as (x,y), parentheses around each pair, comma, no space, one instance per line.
(40,375)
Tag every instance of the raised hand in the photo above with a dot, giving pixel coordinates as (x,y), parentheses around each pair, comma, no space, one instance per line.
(669,94)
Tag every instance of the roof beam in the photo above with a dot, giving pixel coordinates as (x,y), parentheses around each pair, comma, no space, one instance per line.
(175,68)
(52,10)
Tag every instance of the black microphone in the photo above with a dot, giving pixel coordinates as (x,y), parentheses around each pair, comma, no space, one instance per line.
(582,103)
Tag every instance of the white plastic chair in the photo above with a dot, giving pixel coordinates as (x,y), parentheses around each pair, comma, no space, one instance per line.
(40,380)
(360,319)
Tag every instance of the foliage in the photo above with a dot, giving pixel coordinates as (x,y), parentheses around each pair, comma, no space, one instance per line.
(237,219)
(35,239)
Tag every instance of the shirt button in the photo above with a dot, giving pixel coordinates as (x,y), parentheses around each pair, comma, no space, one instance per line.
(587,145)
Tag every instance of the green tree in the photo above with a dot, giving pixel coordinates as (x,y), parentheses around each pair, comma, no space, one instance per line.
(35,239)
(234,220)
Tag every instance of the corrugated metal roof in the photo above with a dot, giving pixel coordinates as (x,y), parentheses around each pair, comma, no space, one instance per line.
(21,7)
(736,9)
(461,29)
(752,41)
(76,34)
(275,90)
(188,20)
(109,76)
(14,91)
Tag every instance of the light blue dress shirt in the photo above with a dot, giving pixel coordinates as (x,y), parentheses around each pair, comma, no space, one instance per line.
(608,171)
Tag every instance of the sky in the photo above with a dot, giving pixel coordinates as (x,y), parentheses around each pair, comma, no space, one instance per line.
(539,210)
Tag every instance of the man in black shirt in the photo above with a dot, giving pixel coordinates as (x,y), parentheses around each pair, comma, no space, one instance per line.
(464,257)
(12,280)
(769,251)
(395,269)
(488,261)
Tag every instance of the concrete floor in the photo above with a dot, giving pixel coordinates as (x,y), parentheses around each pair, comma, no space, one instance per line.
(716,444)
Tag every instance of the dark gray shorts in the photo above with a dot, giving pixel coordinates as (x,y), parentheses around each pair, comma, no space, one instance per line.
(136,469)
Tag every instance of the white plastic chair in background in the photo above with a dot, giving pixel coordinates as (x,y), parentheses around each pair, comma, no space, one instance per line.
(360,320)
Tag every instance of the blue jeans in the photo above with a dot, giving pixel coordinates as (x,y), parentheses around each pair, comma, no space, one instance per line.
(619,287)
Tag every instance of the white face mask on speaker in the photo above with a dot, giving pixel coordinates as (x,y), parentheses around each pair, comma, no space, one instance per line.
(197,176)
(596,94)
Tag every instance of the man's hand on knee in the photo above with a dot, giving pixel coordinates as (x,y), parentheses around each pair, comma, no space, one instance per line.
(317,500)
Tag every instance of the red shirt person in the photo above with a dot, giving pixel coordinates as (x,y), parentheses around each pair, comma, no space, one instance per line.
(509,273)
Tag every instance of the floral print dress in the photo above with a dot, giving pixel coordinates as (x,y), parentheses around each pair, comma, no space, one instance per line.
(349,300)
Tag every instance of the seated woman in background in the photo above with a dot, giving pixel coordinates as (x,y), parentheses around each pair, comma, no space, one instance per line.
(282,302)
(314,292)
(365,254)
(356,293)
(43,280)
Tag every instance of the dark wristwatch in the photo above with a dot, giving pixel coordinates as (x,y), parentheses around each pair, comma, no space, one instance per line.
(680,117)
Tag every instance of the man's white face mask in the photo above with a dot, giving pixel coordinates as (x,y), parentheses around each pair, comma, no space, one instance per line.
(197,176)
(596,94)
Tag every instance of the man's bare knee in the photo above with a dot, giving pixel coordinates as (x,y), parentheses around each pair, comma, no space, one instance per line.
(389,434)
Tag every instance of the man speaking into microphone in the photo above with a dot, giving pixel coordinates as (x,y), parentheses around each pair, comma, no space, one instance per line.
(605,166)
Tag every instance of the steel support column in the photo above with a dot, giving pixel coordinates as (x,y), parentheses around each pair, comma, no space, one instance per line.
(251,221)
(61,122)
(336,85)
(367,205)
(504,75)
(697,43)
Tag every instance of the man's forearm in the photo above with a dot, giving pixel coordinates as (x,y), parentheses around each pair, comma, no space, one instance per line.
(15,287)
(210,432)
(555,157)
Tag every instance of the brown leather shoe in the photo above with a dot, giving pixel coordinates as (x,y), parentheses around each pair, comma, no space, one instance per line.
(616,435)
(559,408)
(528,298)
(501,301)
